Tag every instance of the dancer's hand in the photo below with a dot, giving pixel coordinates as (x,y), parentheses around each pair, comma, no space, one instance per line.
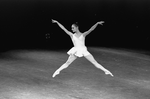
(54,21)
(101,22)
(108,73)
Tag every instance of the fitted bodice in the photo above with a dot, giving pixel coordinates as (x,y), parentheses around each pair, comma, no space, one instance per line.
(78,41)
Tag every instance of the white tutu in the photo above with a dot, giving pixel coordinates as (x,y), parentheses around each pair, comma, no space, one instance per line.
(78,51)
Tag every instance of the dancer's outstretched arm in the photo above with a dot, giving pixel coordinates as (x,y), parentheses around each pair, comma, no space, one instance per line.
(62,27)
(93,27)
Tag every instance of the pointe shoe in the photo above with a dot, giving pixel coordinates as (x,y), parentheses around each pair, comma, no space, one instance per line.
(109,73)
(56,73)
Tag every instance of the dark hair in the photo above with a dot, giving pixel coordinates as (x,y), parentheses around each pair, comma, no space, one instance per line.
(76,24)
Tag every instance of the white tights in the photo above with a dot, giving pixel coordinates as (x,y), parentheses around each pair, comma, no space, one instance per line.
(88,57)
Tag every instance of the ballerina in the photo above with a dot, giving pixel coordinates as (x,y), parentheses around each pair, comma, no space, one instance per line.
(79,49)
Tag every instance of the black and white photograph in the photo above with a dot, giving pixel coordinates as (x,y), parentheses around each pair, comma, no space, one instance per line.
(74,49)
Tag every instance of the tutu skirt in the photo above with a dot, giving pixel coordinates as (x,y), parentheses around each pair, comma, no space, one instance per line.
(78,51)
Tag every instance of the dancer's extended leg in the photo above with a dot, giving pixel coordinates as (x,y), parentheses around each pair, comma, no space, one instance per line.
(65,65)
(93,61)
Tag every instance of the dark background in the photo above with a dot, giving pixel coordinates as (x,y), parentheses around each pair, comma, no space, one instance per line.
(27,23)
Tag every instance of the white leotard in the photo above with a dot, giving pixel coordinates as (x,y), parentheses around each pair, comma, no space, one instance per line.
(79,48)
(78,41)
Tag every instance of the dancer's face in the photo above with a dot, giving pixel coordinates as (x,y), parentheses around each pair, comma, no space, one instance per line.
(74,28)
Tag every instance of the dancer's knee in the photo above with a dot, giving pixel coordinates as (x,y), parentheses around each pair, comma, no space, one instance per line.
(68,63)
(64,66)
(91,59)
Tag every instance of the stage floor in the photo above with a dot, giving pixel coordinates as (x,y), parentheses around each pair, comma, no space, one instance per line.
(28,75)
